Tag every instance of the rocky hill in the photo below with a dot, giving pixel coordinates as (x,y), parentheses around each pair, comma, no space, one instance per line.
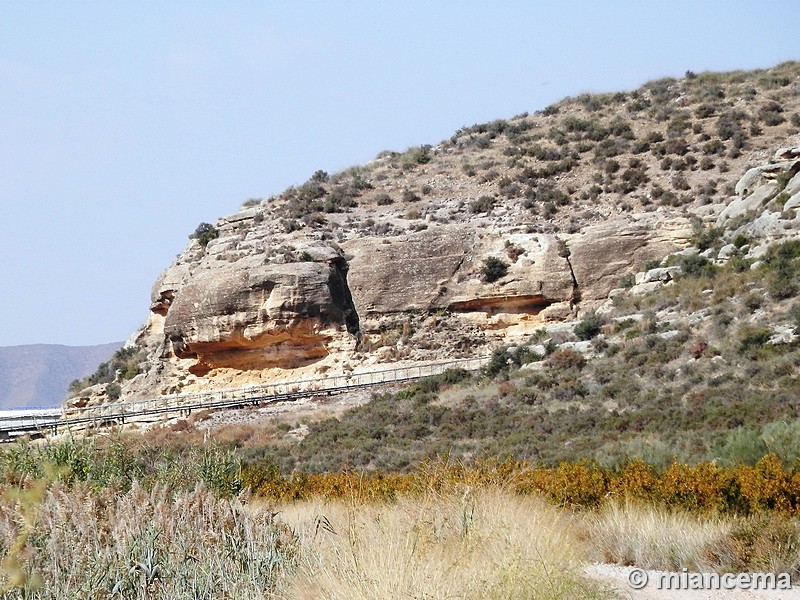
(477,242)
(37,376)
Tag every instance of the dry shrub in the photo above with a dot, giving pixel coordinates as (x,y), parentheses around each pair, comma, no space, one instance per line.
(577,485)
(769,486)
(483,545)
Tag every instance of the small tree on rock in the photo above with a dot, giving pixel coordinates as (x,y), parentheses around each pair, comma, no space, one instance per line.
(493,269)
(204,233)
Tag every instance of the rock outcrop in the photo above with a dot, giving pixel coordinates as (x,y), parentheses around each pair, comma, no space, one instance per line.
(420,295)
(766,200)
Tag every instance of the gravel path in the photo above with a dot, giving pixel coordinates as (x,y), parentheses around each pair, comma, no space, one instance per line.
(617,579)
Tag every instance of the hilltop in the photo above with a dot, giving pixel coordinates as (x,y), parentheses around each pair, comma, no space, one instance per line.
(506,229)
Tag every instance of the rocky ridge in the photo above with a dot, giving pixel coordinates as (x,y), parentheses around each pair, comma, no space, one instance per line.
(383,263)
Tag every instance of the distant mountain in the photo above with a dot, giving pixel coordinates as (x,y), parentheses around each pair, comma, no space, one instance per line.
(38,375)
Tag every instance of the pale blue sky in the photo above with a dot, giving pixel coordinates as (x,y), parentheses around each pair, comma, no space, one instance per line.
(125,124)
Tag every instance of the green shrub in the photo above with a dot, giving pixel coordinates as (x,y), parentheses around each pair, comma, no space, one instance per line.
(742,446)
(113,391)
(484,204)
(783,179)
(783,439)
(752,338)
(493,269)
(715,146)
(543,193)
(740,240)
(410,196)
(499,362)
(204,233)
(705,110)
(418,155)
(781,198)
(383,199)
(729,124)
(338,199)
(695,265)
(320,176)
(125,361)
(770,114)
(794,314)
(589,326)
(782,283)
(290,225)
(781,266)
(504,359)
(705,237)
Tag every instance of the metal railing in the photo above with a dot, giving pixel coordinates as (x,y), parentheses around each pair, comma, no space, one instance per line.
(253,395)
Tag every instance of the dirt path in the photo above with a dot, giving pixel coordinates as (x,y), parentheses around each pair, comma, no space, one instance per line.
(618,579)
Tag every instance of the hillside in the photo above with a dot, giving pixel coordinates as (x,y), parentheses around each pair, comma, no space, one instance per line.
(475,243)
(37,376)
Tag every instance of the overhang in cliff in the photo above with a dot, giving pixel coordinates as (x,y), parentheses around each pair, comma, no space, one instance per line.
(262,316)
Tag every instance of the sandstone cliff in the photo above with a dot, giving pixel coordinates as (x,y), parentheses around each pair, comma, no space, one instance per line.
(384,262)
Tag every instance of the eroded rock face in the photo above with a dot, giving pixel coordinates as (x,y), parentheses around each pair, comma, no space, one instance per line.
(221,319)
(440,269)
(606,251)
(390,275)
(261,316)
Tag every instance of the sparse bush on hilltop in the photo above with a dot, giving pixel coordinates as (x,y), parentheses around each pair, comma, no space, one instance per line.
(320,176)
(418,155)
(204,233)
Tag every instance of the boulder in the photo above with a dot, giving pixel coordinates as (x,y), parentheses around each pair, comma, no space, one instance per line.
(727,251)
(759,196)
(662,274)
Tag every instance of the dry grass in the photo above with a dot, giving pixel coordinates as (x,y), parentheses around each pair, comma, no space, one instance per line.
(650,537)
(488,544)
(654,538)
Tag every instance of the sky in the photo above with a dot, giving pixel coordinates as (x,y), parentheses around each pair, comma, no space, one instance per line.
(123,125)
